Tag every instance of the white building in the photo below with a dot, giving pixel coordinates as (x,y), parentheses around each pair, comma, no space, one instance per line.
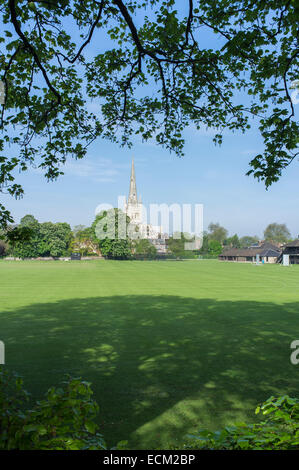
(134,209)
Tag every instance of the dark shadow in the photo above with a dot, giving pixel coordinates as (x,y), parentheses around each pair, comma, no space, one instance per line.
(160,366)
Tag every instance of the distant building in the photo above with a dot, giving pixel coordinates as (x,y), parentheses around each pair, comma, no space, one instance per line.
(160,244)
(292,249)
(134,210)
(267,252)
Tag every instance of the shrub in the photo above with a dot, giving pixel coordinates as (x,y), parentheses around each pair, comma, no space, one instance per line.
(64,420)
(279,430)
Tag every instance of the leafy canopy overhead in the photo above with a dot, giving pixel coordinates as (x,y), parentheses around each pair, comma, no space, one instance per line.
(148,68)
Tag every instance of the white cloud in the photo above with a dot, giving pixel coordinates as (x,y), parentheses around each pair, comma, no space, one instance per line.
(101,170)
(97,169)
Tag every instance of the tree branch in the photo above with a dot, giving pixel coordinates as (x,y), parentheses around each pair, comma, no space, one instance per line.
(30,48)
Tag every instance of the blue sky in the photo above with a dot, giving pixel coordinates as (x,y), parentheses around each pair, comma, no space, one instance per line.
(213,176)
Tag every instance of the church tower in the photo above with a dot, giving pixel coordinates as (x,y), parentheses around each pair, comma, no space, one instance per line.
(133,190)
(133,207)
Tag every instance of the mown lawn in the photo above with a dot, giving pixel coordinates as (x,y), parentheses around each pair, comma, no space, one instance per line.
(169,346)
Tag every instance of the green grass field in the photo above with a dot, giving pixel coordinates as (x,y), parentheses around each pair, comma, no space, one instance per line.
(169,346)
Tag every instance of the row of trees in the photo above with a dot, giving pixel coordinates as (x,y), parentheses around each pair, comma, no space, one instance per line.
(32,239)
(216,238)
(111,235)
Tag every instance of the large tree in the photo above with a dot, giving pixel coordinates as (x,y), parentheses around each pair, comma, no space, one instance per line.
(217,232)
(233,241)
(28,221)
(215,248)
(29,247)
(31,238)
(151,68)
(111,229)
(248,240)
(55,239)
(278,233)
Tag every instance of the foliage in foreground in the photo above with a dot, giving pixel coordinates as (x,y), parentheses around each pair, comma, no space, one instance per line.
(63,420)
(278,431)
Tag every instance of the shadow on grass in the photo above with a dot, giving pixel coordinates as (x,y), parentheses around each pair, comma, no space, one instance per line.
(161,366)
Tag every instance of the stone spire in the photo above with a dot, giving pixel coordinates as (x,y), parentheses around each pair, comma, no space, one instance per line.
(133,191)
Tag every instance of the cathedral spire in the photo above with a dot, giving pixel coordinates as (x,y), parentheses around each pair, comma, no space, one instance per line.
(133,190)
